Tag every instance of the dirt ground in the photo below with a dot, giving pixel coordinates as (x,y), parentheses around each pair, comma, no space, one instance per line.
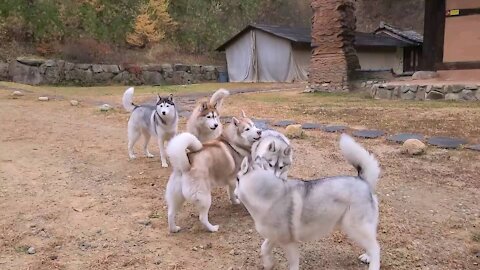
(68,189)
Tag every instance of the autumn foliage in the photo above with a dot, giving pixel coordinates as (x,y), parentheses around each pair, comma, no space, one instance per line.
(151,25)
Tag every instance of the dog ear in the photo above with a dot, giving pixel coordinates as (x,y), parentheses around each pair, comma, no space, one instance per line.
(243,114)
(244,166)
(204,106)
(158,98)
(235,121)
(287,151)
(170,97)
(271,147)
(261,162)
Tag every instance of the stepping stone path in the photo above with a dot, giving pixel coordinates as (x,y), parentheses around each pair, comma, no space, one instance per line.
(402,137)
(368,133)
(334,128)
(311,126)
(284,123)
(261,124)
(475,147)
(446,142)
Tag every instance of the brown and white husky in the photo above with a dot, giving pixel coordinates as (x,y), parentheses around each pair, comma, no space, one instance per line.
(204,122)
(205,166)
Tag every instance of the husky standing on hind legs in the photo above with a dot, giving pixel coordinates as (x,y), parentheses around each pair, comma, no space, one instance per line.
(204,122)
(288,212)
(159,120)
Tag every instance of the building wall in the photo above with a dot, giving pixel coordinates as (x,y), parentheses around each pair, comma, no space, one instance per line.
(462,34)
(381,59)
(458,4)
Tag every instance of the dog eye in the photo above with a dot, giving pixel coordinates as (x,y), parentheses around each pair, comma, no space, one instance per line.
(271,166)
(247,129)
(238,179)
(209,116)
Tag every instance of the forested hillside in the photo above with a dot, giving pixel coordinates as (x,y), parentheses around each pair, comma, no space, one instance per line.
(159,30)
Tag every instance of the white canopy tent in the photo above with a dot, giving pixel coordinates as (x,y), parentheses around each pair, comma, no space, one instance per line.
(268,54)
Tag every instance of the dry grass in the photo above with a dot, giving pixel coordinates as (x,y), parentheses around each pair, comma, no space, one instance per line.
(60,158)
(445,118)
(70,91)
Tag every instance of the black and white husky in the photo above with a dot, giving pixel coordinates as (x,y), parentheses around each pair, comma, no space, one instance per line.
(159,120)
(288,212)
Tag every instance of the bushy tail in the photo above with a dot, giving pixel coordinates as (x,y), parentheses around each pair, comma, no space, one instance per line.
(361,159)
(127,100)
(177,150)
(218,96)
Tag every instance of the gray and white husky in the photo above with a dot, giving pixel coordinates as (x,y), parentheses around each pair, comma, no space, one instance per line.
(159,120)
(287,212)
(275,148)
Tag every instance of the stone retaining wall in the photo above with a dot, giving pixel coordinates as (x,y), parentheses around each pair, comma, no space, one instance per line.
(425,92)
(39,71)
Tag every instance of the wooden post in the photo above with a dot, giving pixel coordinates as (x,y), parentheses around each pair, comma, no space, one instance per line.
(433,34)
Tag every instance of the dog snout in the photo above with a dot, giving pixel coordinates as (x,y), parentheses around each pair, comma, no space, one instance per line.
(259,132)
(215,125)
(164,113)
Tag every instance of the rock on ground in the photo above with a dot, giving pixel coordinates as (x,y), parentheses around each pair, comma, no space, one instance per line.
(43,98)
(74,102)
(105,108)
(31,250)
(17,93)
(294,131)
(422,75)
(413,147)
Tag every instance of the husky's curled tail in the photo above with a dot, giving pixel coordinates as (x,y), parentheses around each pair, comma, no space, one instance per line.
(177,150)
(365,163)
(218,97)
(127,100)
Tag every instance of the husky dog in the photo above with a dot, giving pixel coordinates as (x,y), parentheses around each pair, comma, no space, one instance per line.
(204,122)
(159,120)
(275,148)
(287,212)
(215,163)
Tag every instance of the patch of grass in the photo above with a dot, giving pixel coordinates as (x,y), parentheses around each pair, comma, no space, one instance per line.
(119,89)
(439,118)
(356,99)
(476,236)
(155,215)
(22,249)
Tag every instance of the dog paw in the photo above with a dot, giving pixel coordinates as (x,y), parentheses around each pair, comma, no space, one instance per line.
(164,165)
(175,230)
(235,201)
(214,228)
(364,258)
(133,157)
(149,155)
